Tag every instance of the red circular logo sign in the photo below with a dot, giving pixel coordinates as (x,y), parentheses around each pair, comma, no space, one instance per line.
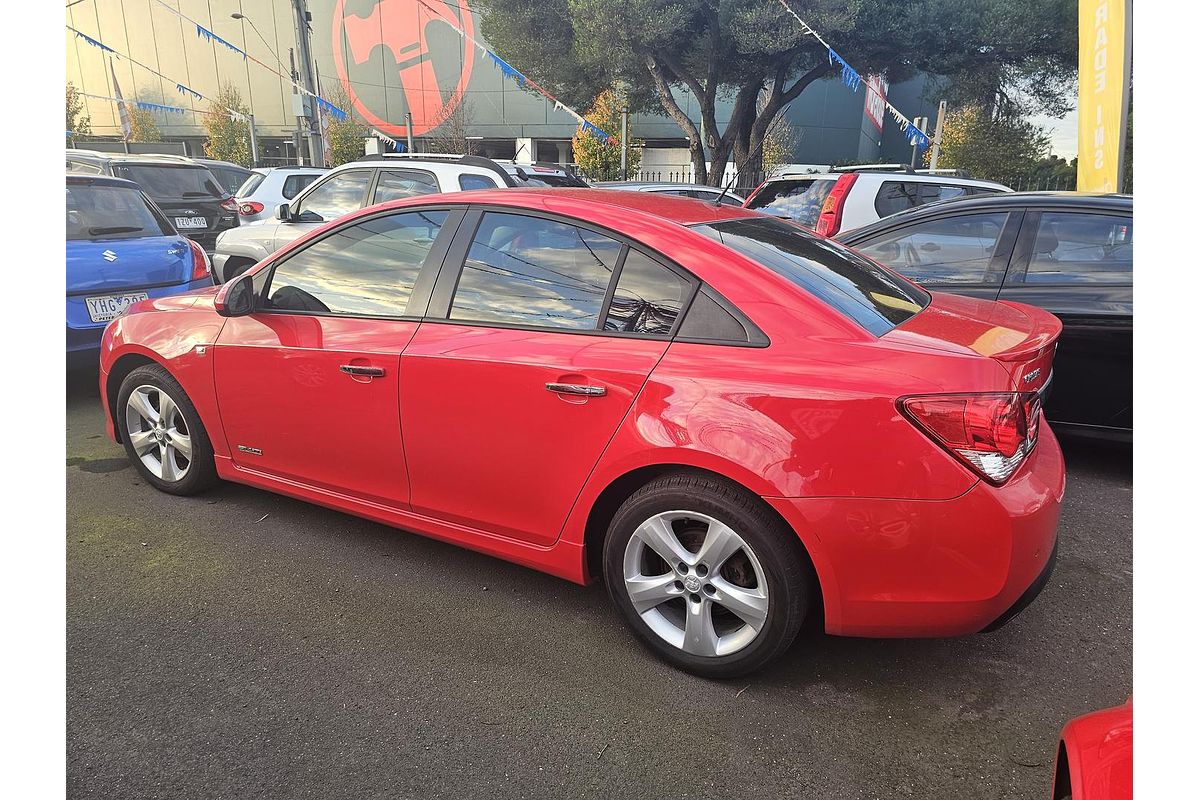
(402,28)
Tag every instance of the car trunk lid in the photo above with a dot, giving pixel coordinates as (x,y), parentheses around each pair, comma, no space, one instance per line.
(1021,338)
(109,265)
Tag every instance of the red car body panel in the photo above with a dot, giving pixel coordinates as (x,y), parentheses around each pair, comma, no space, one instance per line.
(1099,755)
(465,444)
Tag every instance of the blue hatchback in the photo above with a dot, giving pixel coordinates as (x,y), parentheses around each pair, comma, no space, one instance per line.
(120,249)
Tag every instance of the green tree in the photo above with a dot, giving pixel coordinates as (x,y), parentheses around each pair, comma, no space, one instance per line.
(599,160)
(228,134)
(990,149)
(78,123)
(345,136)
(144,127)
(754,55)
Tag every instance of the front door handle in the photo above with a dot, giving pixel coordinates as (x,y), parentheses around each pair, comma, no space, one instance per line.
(577,388)
(355,369)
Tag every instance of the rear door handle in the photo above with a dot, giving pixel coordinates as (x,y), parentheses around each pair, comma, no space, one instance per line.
(577,388)
(354,369)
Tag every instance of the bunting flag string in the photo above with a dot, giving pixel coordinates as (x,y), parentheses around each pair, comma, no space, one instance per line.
(853,80)
(512,73)
(186,90)
(205,33)
(145,105)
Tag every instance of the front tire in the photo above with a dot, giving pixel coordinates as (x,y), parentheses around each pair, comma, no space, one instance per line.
(706,576)
(162,432)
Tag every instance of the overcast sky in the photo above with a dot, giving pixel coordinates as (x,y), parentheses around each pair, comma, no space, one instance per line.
(1064,134)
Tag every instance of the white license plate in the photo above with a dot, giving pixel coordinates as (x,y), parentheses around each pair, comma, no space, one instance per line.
(103,309)
(190,223)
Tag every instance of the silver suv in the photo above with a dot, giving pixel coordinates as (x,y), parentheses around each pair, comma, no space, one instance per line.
(850,197)
(368,181)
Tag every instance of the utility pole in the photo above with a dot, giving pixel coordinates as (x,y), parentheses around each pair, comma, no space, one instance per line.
(316,148)
(408,130)
(625,144)
(919,123)
(253,144)
(937,135)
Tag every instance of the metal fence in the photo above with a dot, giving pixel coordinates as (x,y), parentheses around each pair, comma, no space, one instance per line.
(1040,183)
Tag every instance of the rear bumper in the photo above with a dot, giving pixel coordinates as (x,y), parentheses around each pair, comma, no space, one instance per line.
(895,568)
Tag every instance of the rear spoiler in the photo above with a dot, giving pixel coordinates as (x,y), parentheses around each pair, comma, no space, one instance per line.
(1045,332)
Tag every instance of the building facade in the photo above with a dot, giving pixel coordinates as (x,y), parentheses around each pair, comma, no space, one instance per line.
(383,59)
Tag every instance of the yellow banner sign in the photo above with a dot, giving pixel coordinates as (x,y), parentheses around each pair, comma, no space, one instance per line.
(1103,82)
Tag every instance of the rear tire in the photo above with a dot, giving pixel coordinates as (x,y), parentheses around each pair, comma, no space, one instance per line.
(705,575)
(162,432)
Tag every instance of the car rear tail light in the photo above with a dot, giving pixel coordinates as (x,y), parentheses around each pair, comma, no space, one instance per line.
(200,265)
(990,433)
(250,208)
(229,204)
(830,221)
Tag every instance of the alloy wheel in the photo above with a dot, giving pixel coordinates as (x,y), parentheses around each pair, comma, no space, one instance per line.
(158,433)
(696,583)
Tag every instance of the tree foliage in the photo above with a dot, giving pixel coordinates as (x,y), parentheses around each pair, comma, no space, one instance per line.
(345,137)
(78,123)
(141,121)
(683,56)
(596,159)
(990,149)
(228,138)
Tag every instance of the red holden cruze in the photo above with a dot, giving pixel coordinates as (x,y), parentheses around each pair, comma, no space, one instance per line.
(738,424)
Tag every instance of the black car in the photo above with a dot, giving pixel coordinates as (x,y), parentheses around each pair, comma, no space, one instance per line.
(1067,252)
(230,176)
(186,191)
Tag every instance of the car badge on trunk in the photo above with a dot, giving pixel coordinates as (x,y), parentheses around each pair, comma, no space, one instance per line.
(1032,374)
(109,255)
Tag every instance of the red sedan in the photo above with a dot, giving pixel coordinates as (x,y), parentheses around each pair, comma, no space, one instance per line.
(737,424)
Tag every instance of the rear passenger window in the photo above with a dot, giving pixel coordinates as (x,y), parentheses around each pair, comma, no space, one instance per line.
(1071,247)
(401,183)
(467,182)
(948,250)
(529,271)
(648,297)
(368,269)
(293,185)
(896,196)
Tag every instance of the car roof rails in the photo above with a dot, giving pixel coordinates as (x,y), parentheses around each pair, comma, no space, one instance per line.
(951,173)
(875,168)
(453,158)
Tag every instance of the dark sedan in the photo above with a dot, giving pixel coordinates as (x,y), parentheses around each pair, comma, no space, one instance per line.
(1067,252)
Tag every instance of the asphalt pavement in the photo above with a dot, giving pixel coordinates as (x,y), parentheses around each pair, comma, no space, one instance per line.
(240,644)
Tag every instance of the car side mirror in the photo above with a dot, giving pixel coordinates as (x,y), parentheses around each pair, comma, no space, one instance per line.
(236,298)
(283,212)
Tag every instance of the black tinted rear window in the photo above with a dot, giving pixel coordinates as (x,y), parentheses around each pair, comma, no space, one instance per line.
(855,286)
(897,196)
(170,181)
(798,199)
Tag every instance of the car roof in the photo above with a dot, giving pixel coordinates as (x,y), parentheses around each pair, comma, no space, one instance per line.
(138,158)
(574,201)
(106,180)
(639,185)
(888,174)
(1000,200)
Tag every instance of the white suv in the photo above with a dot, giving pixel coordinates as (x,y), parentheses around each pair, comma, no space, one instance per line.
(370,180)
(850,197)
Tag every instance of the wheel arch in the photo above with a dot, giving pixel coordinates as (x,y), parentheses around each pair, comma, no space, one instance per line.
(121,368)
(620,488)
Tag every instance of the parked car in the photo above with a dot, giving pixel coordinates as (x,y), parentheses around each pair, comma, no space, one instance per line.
(187,192)
(370,180)
(740,425)
(850,197)
(267,187)
(120,249)
(1066,252)
(1095,756)
(696,190)
(543,174)
(229,175)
